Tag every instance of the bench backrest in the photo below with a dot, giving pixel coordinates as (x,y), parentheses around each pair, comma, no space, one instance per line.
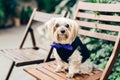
(39,17)
(89,15)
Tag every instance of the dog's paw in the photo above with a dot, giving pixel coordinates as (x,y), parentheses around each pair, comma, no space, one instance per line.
(70,75)
(58,69)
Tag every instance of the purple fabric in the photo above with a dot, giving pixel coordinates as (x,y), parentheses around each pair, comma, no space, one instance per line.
(65,46)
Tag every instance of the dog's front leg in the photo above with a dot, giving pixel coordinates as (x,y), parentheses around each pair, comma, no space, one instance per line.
(71,72)
(60,63)
(73,68)
(74,64)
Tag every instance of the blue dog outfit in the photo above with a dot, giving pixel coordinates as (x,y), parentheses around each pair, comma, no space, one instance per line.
(66,50)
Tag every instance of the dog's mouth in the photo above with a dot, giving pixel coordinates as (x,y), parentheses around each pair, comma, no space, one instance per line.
(62,37)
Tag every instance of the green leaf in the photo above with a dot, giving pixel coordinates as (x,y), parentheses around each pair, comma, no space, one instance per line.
(118,69)
(118,78)
(102,65)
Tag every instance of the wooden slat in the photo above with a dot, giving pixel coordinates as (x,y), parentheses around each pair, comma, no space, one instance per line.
(52,66)
(99,7)
(25,56)
(48,69)
(97,35)
(50,73)
(37,74)
(31,54)
(98,26)
(52,69)
(16,53)
(22,54)
(98,17)
(28,54)
(10,55)
(7,55)
(95,77)
(43,17)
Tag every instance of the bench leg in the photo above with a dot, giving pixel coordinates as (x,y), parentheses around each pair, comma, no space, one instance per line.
(10,71)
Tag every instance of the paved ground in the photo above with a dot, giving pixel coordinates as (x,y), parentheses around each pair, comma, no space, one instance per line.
(11,38)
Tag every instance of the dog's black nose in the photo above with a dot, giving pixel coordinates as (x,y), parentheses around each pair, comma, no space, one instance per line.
(62,31)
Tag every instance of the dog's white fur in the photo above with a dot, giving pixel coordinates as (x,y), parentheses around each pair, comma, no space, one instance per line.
(54,33)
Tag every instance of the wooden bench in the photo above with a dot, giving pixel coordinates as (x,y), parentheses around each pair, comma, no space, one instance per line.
(6,67)
(46,71)
(31,55)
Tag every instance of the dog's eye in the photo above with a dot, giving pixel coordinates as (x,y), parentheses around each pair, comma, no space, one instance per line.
(67,25)
(57,25)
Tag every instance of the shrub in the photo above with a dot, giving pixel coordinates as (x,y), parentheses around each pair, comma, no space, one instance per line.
(47,5)
(25,14)
(7,10)
(2,14)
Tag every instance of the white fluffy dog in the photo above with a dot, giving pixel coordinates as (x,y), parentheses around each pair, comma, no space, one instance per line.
(69,48)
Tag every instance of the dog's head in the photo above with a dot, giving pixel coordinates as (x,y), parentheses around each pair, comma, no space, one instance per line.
(61,30)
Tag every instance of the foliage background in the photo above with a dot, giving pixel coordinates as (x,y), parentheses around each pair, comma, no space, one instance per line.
(7,10)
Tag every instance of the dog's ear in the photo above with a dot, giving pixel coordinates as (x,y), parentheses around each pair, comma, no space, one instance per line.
(74,30)
(49,28)
(49,23)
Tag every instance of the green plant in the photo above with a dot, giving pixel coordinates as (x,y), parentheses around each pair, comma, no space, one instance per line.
(10,7)
(7,11)
(40,4)
(47,5)
(66,5)
(2,14)
(25,14)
